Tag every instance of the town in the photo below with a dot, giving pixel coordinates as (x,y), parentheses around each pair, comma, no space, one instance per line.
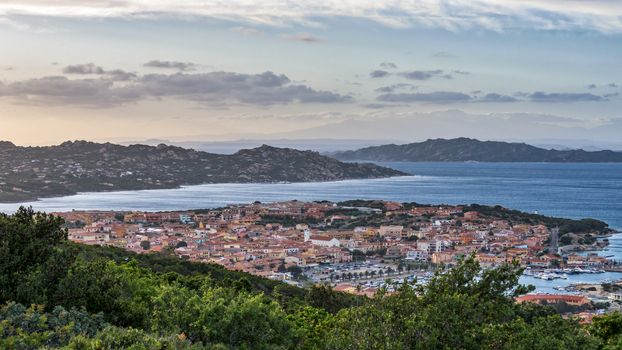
(355,246)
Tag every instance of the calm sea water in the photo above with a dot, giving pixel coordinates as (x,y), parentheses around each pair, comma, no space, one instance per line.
(566,190)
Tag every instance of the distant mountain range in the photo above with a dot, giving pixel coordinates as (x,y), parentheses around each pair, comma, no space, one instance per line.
(28,173)
(229,147)
(465,149)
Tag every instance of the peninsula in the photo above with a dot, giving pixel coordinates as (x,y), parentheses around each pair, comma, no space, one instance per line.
(29,173)
(466,149)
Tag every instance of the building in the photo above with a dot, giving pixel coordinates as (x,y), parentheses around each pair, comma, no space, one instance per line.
(395,231)
(321,240)
(576,300)
(393,252)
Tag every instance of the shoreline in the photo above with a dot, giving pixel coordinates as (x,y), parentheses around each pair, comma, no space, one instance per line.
(40,198)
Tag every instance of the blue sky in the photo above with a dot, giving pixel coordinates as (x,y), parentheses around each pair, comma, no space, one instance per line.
(125,70)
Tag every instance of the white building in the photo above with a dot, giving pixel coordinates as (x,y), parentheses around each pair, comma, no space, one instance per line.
(321,240)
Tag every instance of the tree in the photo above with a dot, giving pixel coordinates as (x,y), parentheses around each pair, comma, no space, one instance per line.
(296,271)
(31,327)
(281,268)
(145,245)
(314,323)
(358,255)
(464,308)
(27,240)
(608,328)
(174,309)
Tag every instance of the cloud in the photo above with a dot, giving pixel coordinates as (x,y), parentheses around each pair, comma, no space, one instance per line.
(591,86)
(541,118)
(13,23)
(377,105)
(612,85)
(425,74)
(596,15)
(394,87)
(379,73)
(460,72)
(59,90)
(121,75)
(555,97)
(247,31)
(497,98)
(215,88)
(92,69)
(88,68)
(304,38)
(437,97)
(388,65)
(181,66)
(440,97)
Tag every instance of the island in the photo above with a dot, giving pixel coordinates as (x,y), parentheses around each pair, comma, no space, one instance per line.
(466,149)
(29,173)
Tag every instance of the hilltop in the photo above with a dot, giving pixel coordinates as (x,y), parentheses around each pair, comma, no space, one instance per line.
(466,149)
(28,173)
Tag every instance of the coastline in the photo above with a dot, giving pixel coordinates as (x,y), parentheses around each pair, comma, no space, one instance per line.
(35,199)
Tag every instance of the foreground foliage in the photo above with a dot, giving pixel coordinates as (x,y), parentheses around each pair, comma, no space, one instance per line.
(60,295)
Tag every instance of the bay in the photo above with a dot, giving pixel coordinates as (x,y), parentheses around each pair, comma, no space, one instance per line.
(573,190)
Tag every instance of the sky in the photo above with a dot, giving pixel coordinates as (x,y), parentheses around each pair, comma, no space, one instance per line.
(114,70)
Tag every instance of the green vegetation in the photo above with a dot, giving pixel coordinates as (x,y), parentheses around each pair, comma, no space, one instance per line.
(56,294)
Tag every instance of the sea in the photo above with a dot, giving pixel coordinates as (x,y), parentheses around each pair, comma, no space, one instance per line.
(572,190)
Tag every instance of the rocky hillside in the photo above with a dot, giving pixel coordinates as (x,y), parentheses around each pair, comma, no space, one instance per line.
(28,173)
(465,149)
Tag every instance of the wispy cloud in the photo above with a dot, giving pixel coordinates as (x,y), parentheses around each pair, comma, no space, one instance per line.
(378,73)
(84,69)
(92,69)
(304,37)
(425,74)
(497,98)
(557,97)
(395,87)
(595,15)
(388,65)
(437,97)
(247,31)
(448,97)
(181,66)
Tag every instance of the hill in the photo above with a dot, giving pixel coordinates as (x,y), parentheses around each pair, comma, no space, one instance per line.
(465,149)
(27,173)
(96,298)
